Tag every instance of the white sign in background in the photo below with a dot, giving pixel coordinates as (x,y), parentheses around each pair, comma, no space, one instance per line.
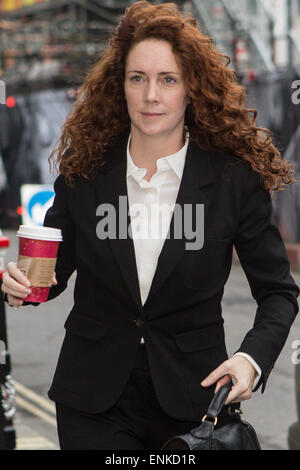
(36,199)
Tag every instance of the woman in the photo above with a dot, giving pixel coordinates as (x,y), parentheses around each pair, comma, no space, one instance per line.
(160,121)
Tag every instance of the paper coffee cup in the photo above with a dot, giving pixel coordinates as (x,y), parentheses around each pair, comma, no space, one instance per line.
(38,247)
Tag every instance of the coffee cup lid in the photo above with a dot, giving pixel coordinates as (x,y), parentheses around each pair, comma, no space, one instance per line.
(40,233)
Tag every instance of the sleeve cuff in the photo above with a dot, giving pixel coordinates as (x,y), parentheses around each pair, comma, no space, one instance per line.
(255,365)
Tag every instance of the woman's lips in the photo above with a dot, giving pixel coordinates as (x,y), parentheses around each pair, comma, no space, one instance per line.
(152,115)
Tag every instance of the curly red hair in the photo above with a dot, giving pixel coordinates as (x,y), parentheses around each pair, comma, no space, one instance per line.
(216,117)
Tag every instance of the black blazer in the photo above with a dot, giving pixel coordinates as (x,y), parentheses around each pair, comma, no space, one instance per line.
(181,319)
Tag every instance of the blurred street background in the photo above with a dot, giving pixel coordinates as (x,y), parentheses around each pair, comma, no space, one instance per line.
(45,49)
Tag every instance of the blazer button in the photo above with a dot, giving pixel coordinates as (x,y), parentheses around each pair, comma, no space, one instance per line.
(139,322)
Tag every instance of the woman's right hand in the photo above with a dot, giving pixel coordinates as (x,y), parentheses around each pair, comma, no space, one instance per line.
(16,285)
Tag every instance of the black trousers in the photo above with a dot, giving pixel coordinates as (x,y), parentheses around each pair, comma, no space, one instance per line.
(135,422)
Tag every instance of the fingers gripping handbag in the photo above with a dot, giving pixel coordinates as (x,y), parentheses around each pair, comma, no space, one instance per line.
(235,435)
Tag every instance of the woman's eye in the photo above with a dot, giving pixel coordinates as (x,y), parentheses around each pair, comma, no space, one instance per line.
(169,80)
(136,79)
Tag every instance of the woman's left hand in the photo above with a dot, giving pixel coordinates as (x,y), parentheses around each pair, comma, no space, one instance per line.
(239,369)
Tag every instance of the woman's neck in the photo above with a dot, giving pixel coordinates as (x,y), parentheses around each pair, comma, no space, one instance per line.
(145,151)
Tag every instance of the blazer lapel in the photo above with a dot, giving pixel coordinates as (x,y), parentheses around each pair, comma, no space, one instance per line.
(111,188)
(197,174)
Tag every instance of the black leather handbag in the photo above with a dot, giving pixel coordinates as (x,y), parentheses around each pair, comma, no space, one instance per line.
(234,435)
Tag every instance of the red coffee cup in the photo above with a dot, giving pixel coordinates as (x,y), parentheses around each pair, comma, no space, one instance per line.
(38,247)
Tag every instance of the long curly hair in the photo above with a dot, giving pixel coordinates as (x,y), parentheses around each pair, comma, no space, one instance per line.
(216,116)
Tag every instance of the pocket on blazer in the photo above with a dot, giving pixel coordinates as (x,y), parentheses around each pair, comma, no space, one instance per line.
(202,351)
(209,268)
(199,339)
(85,327)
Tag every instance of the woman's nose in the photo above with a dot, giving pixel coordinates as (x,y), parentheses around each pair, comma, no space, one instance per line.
(151,91)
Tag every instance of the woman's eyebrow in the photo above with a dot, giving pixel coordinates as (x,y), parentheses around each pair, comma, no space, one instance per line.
(160,73)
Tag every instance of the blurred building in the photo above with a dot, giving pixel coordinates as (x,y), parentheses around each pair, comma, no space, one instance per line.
(261,35)
(52,41)
(287,32)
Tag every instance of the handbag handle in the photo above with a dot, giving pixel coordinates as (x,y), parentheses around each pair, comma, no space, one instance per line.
(218,402)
